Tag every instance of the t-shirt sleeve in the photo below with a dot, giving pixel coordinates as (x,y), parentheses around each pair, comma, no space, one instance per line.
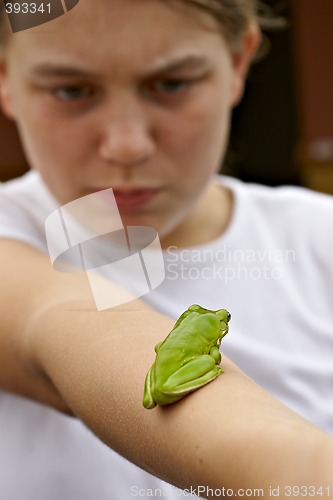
(313,234)
(17,223)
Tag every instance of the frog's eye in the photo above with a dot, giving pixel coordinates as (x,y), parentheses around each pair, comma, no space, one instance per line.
(229,316)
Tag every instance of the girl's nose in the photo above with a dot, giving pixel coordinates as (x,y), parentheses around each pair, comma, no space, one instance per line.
(127,139)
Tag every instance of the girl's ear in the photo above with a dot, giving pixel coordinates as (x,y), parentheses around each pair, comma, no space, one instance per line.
(241,59)
(5,102)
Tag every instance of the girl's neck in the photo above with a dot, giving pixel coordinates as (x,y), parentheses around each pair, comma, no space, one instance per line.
(206,222)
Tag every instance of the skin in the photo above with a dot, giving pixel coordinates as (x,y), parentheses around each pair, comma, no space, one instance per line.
(149,114)
(188,358)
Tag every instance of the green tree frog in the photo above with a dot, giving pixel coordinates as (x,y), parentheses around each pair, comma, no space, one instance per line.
(188,358)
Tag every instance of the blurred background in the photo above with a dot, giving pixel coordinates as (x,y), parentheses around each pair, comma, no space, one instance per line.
(282,132)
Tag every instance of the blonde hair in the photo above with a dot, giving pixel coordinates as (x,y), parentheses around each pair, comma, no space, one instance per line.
(233,16)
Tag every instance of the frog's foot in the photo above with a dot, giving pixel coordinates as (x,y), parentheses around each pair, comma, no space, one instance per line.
(148,401)
(215,353)
(195,374)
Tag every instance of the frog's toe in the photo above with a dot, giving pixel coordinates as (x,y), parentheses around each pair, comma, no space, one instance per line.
(148,402)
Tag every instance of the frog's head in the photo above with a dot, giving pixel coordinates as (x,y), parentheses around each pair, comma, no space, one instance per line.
(223,315)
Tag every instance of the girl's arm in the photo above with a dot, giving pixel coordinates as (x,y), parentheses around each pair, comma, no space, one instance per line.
(57,349)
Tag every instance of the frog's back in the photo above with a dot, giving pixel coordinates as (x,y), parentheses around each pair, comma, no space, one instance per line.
(199,328)
(189,339)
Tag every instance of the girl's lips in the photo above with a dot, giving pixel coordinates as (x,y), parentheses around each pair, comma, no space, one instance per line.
(134,198)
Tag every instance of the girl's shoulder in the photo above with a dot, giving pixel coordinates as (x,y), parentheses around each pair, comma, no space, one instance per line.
(279,199)
(292,215)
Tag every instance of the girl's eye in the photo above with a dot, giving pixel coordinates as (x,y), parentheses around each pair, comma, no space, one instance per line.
(170,87)
(72,92)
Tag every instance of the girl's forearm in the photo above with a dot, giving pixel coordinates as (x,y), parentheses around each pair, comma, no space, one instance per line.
(229,434)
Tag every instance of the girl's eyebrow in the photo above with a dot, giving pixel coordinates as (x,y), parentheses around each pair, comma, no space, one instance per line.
(49,69)
(183,63)
(191,62)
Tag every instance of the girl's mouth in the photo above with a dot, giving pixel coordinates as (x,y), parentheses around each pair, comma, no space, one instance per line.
(134,198)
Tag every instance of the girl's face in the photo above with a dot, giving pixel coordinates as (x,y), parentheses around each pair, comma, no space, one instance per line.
(125,94)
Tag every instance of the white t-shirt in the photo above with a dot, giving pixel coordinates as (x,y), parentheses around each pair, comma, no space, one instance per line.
(272,269)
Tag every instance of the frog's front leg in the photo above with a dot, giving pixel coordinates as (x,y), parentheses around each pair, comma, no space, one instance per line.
(191,376)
